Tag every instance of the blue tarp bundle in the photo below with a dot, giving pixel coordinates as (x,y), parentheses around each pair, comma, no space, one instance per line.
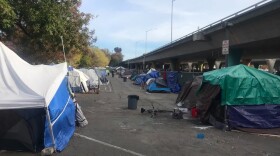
(254,116)
(153,87)
(172,81)
(140,79)
(154,74)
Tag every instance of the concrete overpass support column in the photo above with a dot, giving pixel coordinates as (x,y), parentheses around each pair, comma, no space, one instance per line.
(218,64)
(153,65)
(200,65)
(211,63)
(159,66)
(190,66)
(175,65)
(234,57)
(256,65)
(139,67)
(136,67)
(270,63)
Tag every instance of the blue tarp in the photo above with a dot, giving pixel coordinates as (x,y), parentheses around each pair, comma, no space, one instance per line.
(254,116)
(172,81)
(62,114)
(152,87)
(140,79)
(154,74)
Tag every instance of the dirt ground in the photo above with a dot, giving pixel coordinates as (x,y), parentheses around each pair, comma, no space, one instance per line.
(115,130)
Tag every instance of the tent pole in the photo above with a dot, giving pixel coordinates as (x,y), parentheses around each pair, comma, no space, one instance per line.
(226,128)
(61,37)
(50,126)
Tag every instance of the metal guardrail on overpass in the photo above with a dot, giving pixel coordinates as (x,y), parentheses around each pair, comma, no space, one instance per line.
(221,21)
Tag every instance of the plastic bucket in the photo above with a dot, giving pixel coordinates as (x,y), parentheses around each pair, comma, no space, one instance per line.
(132,101)
(194,113)
(124,79)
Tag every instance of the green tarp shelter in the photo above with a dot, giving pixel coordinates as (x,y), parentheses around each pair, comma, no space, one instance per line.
(243,85)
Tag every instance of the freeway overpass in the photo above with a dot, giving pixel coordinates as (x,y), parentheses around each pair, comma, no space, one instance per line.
(253,33)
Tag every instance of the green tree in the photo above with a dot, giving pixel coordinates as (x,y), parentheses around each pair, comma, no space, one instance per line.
(101,60)
(7,16)
(37,26)
(118,50)
(116,57)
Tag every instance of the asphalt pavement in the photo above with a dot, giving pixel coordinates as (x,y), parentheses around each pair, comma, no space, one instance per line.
(115,130)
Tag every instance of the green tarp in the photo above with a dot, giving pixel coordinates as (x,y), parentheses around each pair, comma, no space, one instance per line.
(243,85)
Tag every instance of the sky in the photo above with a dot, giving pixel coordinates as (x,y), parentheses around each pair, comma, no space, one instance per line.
(127,23)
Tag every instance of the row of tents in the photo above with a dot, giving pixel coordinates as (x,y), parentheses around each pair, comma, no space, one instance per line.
(238,97)
(37,110)
(83,80)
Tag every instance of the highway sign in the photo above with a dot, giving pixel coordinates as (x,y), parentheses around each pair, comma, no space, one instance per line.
(225,47)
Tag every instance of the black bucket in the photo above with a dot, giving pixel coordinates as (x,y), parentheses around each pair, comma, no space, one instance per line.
(124,79)
(132,101)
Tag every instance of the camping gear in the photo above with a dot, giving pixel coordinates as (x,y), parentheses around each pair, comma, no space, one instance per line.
(176,113)
(132,101)
(36,110)
(240,97)
(81,120)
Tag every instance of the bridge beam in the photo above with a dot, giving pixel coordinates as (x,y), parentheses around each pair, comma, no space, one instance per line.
(190,66)
(270,63)
(218,64)
(211,63)
(175,64)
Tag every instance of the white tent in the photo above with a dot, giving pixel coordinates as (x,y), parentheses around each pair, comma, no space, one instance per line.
(24,85)
(93,77)
(36,110)
(78,81)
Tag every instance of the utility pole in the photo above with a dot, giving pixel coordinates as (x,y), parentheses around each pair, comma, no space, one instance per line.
(146,47)
(172,18)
